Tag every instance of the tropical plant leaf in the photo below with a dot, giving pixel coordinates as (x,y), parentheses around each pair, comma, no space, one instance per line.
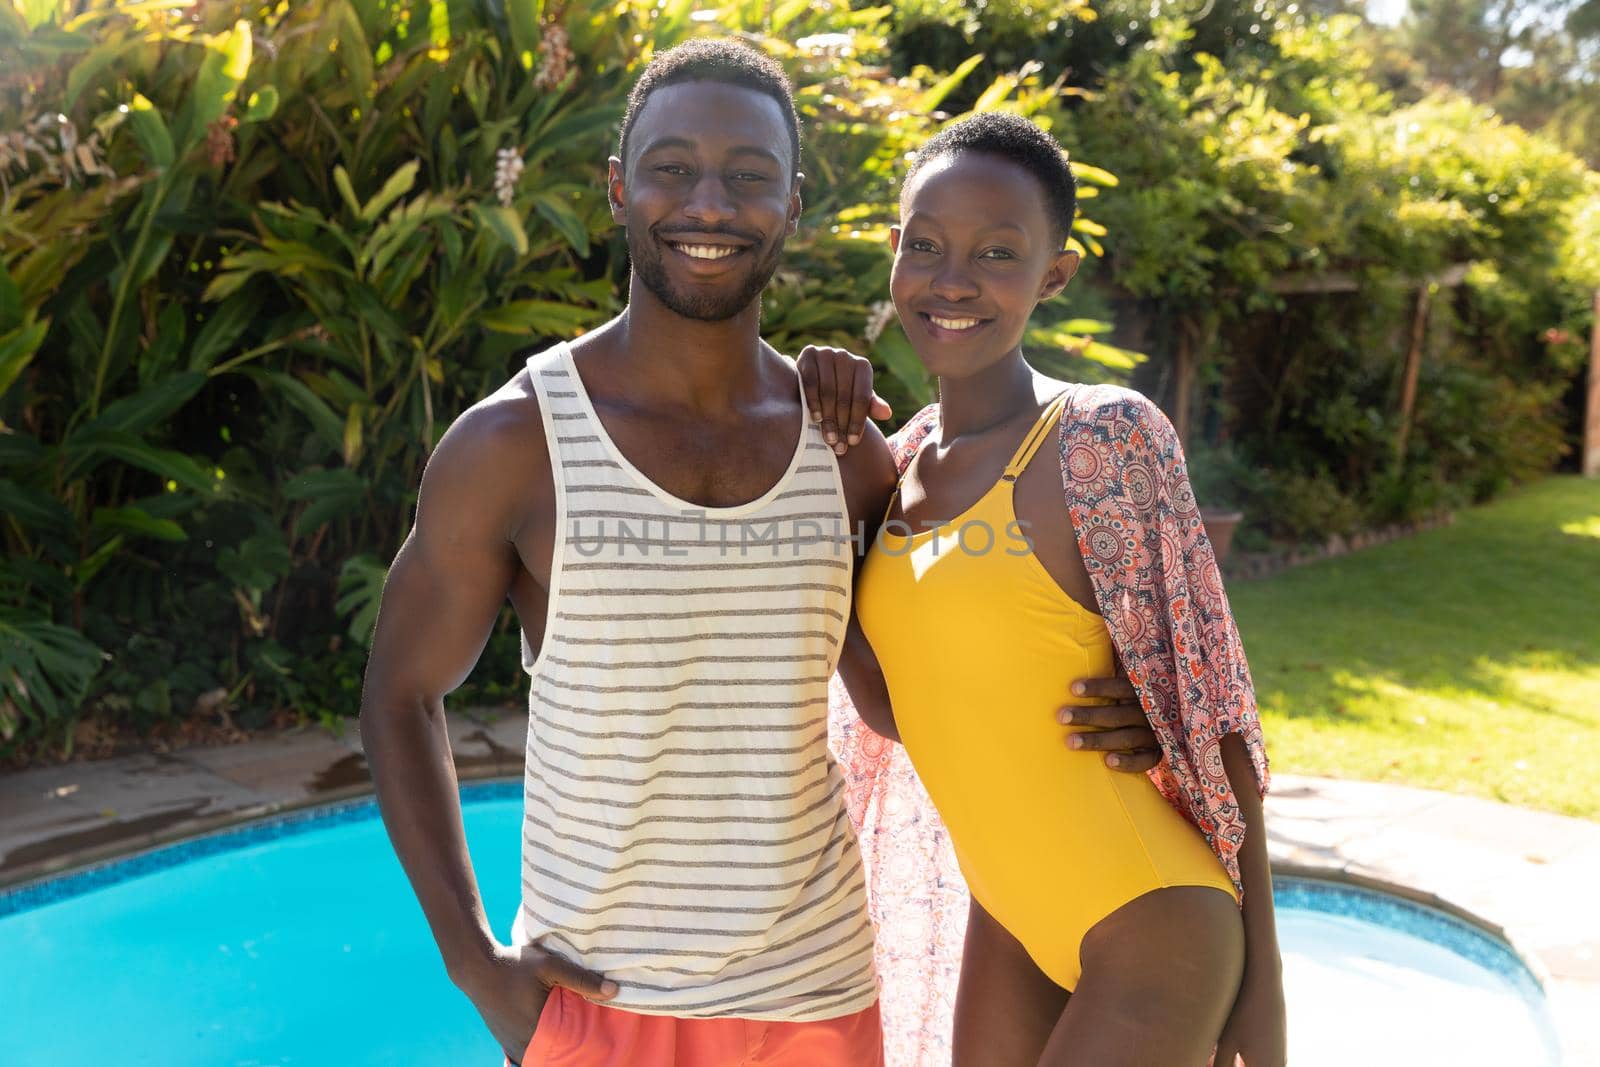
(146,408)
(37,13)
(320,484)
(84,570)
(221,329)
(538,317)
(262,105)
(323,420)
(137,521)
(564,219)
(19,449)
(34,509)
(10,302)
(894,348)
(360,591)
(787,12)
(1086,172)
(150,130)
(504,224)
(89,446)
(17,349)
(341,181)
(357,55)
(331,494)
(100,57)
(225,66)
(524,18)
(398,185)
(45,671)
(931,98)
(258,562)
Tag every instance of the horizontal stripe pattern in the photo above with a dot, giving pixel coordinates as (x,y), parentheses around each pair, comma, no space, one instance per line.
(684,829)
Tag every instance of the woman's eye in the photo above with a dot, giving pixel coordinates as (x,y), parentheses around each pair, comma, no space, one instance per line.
(921,245)
(999,253)
(750,176)
(672,168)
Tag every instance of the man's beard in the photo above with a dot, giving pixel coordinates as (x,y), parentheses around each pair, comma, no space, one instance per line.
(702,307)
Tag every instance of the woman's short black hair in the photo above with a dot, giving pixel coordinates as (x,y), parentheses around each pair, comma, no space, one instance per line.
(711,59)
(1015,139)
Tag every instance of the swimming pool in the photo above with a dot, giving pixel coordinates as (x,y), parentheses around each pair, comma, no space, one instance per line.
(297,941)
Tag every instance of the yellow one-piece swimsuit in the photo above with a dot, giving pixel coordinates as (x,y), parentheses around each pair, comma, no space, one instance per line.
(979,644)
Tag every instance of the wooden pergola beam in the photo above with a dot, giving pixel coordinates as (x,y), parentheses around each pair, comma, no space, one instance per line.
(1591,416)
(1408,388)
(1338,282)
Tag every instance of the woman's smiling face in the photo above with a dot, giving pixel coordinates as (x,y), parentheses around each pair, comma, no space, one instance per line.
(975,252)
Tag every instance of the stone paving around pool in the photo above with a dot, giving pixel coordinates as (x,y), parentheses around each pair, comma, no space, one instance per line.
(1532,875)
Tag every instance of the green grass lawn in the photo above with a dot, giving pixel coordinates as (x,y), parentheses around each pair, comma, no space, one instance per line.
(1465,659)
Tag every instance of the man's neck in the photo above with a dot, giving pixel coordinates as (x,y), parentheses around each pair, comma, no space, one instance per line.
(713,367)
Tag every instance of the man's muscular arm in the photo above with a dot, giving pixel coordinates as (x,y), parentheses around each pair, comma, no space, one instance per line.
(440,601)
(868,473)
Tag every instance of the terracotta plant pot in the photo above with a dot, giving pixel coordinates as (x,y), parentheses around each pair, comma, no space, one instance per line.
(1220,524)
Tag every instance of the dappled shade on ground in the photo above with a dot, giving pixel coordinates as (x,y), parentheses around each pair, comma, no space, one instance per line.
(1466,658)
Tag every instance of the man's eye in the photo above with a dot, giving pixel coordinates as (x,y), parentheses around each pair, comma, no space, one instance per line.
(999,253)
(750,176)
(921,245)
(672,168)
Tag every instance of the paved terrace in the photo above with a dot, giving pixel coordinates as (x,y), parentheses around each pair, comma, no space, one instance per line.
(1529,874)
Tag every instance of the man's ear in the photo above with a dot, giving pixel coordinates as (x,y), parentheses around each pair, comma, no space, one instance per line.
(894,239)
(1060,273)
(794,205)
(615,194)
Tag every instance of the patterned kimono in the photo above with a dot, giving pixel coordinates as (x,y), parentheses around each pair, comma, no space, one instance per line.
(1158,588)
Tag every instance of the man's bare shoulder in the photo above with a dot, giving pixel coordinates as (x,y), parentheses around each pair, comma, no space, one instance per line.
(504,424)
(868,473)
(495,453)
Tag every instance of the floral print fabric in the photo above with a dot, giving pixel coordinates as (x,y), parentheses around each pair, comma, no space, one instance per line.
(1159,590)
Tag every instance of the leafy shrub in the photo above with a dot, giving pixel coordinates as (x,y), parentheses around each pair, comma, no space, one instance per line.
(253,261)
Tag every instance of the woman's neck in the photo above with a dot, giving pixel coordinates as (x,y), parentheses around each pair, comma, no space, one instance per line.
(982,401)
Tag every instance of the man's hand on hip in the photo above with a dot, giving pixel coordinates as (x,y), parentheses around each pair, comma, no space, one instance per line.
(1118,729)
(510,987)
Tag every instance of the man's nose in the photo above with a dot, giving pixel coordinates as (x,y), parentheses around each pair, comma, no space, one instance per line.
(709,200)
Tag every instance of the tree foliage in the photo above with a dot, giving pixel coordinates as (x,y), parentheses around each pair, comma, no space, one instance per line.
(254,259)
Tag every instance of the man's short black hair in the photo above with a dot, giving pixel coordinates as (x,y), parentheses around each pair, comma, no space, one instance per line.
(1016,140)
(708,59)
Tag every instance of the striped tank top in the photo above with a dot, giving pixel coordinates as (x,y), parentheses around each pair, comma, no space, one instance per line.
(685,832)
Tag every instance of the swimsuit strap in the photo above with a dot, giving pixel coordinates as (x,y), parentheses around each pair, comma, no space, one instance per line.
(1030,444)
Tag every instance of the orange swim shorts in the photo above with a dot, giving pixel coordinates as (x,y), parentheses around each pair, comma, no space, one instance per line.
(574,1032)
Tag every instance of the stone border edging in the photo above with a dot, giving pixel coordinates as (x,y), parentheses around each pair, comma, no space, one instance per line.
(1250,566)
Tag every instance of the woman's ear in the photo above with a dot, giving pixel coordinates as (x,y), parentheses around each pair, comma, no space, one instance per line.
(1062,268)
(795,205)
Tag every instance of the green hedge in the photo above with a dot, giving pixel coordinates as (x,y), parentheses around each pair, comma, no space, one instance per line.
(253,260)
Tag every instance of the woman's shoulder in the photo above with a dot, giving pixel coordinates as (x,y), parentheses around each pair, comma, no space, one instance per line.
(1102,402)
(903,443)
(1114,415)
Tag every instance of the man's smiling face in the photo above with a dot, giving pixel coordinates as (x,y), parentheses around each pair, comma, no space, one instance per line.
(708,196)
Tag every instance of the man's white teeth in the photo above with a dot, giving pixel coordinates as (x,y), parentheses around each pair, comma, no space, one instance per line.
(954,324)
(706,251)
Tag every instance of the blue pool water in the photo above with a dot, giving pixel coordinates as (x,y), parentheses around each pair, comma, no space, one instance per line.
(298,942)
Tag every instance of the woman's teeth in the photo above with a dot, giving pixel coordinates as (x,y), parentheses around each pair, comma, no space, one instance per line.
(706,251)
(953,324)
